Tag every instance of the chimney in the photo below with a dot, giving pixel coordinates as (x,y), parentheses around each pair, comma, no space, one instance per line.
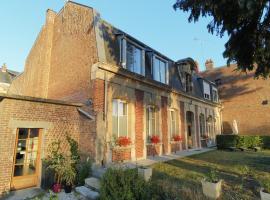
(4,68)
(209,64)
(197,67)
(50,16)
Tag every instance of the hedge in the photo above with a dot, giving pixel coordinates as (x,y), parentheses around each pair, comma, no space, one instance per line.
(242,141)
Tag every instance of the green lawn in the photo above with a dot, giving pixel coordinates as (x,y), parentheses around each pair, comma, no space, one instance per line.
(181,177)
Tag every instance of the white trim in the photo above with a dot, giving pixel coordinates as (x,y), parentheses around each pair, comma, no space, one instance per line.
(124,102)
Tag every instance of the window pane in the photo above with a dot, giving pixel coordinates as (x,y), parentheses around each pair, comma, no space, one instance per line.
(134,58)
(114,126)
(123,126)
(156,70)
(120,108)
(115,102)
(21,152)
(23,133)
(22,170)
(162,72)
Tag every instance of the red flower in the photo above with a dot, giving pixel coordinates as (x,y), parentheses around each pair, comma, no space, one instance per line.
(177,138)
(155,139)
(123,141)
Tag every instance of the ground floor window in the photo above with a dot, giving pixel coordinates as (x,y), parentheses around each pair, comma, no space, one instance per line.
(202,125)
(174,130)
(151,121)
(120,118)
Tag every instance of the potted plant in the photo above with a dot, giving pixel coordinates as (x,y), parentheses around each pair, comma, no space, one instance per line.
(145,172)
(265,190)
(123,141)
(155,139)
(177,138)
(211,185)
(68,174)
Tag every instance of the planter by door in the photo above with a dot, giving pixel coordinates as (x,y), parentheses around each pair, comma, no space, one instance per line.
(211,190)
(26,159)
(264,195)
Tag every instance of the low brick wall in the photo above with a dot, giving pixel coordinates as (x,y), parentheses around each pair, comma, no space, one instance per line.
(153,150)
(176,146)
(121,154)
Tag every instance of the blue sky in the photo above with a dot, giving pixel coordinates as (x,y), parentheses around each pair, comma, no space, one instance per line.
(153,22)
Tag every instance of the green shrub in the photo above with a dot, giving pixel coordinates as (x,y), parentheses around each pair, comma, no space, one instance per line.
(242,141)
(83,171)
(123,184)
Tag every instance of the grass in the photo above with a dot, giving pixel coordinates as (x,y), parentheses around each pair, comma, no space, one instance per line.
(240,172)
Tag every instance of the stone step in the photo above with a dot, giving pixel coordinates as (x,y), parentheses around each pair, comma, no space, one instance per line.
(98,172)
(88,193)
(92,183)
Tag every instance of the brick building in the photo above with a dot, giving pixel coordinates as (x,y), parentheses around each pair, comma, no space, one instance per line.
(244,99)
(121,87)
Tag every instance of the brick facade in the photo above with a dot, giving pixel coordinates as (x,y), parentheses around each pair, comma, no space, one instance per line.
(153,150)
(121,154)
(164,124)
(139,125)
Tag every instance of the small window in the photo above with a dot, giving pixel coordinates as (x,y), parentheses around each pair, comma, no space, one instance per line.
(188,82)
(160,70)
(202,125)
(151,121)
(206,90)
(215,95)
(173,124)
(120,118)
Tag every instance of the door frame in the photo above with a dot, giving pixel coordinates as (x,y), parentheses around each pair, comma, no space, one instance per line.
(38,161)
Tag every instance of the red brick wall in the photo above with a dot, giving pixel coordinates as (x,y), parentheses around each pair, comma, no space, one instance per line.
(139,141)
(63,119)
(164,123)
(98,94)
(175,147)
(183,123)
(153,150)
(119,155)
(197,133)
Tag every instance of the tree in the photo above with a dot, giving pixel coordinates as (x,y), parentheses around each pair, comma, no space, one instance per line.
(247,23)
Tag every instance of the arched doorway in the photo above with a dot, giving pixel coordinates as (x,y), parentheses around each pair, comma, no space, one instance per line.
(190,129)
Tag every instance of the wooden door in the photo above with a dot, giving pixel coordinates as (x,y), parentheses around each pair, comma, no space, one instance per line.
(26,159)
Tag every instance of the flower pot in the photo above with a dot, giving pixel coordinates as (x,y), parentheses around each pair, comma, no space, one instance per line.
(211,190)
(146,173)
(264,195)
(56,188)
(68,188)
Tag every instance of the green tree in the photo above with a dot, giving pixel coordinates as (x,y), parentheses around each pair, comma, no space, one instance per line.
(247,23)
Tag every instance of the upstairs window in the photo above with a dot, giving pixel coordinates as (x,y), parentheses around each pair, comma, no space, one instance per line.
(206,90)
(215,95)
(151,121)
(132,56)
(160,70)
(120,118)
(188,80)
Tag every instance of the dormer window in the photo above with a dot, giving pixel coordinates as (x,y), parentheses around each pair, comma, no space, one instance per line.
(206,90)
(160,70)
(215,94)
(188,81)
(132,56)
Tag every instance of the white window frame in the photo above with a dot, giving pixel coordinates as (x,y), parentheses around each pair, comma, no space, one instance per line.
(149,132)
(166,70)
(206,94)
(123,54)
(176,128)
(214,89)
(124,102)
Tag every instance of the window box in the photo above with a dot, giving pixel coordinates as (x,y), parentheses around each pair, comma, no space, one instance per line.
(121,154)
(153,149)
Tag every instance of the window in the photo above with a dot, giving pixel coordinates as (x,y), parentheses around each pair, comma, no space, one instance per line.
(206,90)
(151,121)
(120,127)
(173,124)
(188,79)
(132,56)
(202,125)
(160,70)
(215,95)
